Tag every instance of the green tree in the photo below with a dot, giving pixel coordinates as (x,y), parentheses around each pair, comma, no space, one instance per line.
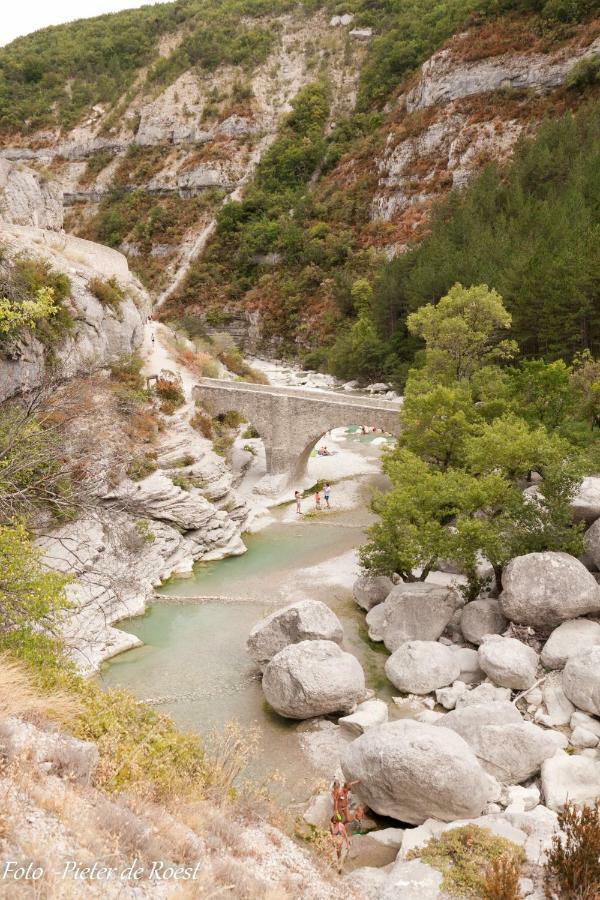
(436,422)
(509,446)
(17,315)
(462,331)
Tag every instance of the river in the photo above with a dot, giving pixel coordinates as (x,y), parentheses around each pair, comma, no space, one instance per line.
(193,664)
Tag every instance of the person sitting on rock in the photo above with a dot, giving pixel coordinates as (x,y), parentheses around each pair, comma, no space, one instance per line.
(356,821)
(340,839)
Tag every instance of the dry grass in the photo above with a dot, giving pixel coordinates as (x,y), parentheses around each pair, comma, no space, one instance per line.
(19,696)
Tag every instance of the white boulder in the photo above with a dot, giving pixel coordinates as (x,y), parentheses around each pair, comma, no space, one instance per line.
(412,771)
(582,720)
(370,590)
(570,778)
(482,617)
(508,662)
(583,739)
(545,589)
(586,503)
(375,622)
(419,667)
(313,678)
(418,612)
(581,680)
(482,694)
(592,543)
(412,880)
(305,620)
(470,671)
(367,715)
(568,639)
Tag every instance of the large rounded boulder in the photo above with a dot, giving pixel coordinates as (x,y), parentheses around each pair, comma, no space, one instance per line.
(507,662)
(419,667)
(581,680)
(569,639)
(545,589)
(313,678)
(306,620)
(592,543)
(418,612)
(412,771)
(482,617)
(370,590)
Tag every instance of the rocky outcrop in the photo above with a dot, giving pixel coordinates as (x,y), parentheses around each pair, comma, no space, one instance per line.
(313,678)
(444,78)
(545,589)
(581,680)
(304,620)
(417,612)
(508,662)
(418,667)
(412,771)
(28,198)
(100,334)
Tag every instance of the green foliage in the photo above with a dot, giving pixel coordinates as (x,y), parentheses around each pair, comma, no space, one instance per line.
(16,317)
(31,299)
(170,392)
(532,233)
(141,466)
(585,72)
(109,292)
(464,854)
(29,594)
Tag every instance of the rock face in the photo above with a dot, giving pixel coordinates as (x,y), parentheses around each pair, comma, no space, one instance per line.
(369,590)
(26,198)
(545,589)
(419,667)
(100,335)
(570,778)
(592,542)
(586,503)
(508,662)
(417,612)
(412,771)
(569,639)
(581,680)
(481,617)
(306,620)
(508,748)
(313,678)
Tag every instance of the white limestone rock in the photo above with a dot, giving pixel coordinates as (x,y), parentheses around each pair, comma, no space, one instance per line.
(570,778)
(419,667)
(592,542)
(586,503)
(528,797)
(304,620)
(582,720)
(412,880)
(412,771)
(313,678)
(448,696)
(417,612)
(581,680)
(369,590)
(367,715)
(570,638)
(583,739)
(508,662)
(545,589)
(375,622)
(559,707)
(28,199)
(481,617)
(470,671)
(483,694)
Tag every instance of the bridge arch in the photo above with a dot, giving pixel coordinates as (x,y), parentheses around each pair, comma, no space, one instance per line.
(291,421)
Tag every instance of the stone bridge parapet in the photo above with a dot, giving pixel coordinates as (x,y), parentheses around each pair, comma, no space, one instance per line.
(290,421)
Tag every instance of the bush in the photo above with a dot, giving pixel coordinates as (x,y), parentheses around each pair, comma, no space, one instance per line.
(128,372)
(584,73)
(202,423)
(250,432)
(573,864)
(464,855)
(141,467)
(171,395)
(109,292)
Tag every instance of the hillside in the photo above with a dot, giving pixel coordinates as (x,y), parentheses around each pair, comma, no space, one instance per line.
(253,176)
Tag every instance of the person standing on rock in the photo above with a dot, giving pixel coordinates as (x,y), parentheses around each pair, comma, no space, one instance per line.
(317,500)
(327,495)
(340,839)
(343,800)
(298,499)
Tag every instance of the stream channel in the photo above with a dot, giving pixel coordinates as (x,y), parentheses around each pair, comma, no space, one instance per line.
(193,663)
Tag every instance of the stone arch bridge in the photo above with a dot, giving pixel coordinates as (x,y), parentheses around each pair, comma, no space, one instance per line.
(290,421)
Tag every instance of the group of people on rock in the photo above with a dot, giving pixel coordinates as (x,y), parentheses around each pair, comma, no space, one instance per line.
(326,497)
(344,819)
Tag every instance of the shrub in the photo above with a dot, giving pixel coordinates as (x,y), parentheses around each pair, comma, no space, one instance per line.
(573,863)
(145,532)
(202,422)
(141,467)
(128,372)
(109,292)
(584,73)
(183,482)
(250,432)
(501,880)
(464,854)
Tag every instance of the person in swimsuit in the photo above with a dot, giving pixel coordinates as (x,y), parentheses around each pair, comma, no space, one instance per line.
(335,796)
(317,500)
(327,494)
(343,799)
(340,839)
(357,819)
(298,499)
